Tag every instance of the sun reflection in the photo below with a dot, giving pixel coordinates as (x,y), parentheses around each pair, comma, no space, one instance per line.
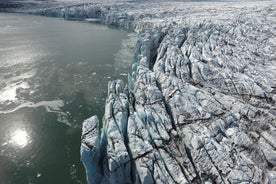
(20,138)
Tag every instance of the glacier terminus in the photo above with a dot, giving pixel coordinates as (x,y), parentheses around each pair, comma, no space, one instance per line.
(199,104)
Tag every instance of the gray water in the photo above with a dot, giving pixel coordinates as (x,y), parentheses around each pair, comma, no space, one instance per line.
(53,75)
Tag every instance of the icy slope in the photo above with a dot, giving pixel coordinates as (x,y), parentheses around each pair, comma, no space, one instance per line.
(200,103)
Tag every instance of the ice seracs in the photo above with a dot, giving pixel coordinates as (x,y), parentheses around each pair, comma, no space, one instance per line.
(200,107)
(91,149)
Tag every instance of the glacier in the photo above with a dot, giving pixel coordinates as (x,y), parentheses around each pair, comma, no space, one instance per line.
(199,106)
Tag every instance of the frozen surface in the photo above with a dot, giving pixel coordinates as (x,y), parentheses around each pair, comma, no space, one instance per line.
(200,103)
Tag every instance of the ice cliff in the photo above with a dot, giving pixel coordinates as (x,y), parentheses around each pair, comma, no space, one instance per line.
(199,106)
(200,103)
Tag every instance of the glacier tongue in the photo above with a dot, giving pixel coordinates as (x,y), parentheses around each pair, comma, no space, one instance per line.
(200,107)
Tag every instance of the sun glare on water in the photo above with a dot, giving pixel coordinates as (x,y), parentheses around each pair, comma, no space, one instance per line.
(20,138)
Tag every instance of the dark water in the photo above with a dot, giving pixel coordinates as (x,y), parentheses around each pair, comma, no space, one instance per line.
(53,75)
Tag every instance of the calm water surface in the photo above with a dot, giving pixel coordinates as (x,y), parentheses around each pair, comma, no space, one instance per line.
(53,75)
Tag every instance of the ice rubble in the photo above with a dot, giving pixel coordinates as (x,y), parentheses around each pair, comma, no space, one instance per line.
(200,103)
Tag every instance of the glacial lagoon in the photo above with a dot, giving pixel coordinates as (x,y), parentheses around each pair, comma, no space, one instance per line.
(53,75)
